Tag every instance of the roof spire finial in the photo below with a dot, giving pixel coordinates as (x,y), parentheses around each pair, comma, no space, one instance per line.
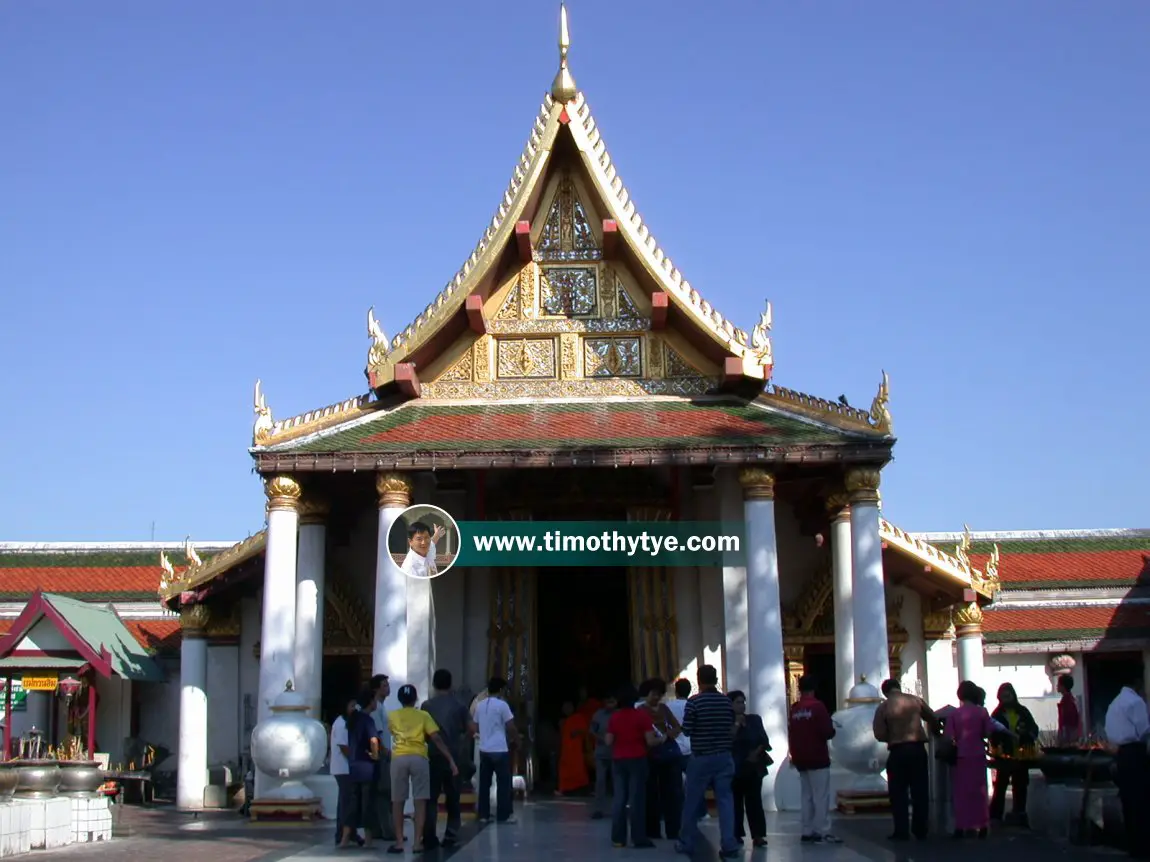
(563,87)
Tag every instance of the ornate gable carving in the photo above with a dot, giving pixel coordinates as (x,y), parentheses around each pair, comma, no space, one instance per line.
(567,233)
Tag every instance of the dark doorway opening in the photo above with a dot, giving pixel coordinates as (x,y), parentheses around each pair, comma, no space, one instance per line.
(341,682)
(583,643)
(819,662)
(1106,674)
(583,635)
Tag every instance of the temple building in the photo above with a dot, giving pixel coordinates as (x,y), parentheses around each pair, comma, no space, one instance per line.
(569,371)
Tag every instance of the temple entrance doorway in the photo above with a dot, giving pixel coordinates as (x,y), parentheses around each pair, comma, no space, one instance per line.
(583,643)
(342,681)
(819,662)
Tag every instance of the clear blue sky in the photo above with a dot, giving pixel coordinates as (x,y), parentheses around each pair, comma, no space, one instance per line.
(194,194)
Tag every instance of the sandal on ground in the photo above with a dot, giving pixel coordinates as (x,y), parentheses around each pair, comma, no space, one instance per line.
(395,849)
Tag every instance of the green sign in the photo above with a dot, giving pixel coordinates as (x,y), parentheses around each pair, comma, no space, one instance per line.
(19,696)
(601,543)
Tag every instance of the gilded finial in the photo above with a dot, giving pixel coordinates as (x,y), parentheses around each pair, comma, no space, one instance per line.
(880,408)
(563,88)
(962,549)
(263,424)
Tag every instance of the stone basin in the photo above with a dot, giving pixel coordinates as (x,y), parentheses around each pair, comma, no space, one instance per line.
(80,777)
(35,779)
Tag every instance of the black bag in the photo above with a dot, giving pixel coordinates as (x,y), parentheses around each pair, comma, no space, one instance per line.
(665,751)
(946,750)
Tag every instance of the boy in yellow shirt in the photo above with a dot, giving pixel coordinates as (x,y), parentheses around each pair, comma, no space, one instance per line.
(411,730)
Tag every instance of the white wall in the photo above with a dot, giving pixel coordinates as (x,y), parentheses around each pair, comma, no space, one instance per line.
(1025,671)
(45,636)
(688,616)
(704,503)
(223,693)
(913,656)
(160,708)
(941,682)
(113,715)
(249,671)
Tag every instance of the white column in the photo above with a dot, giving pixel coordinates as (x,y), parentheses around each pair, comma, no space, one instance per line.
(309,603)
(938,636)
(968,631)
(869,589)
(734,673)
(277,620)
(842,579)
(192,771)
(389,648)
(420,627)
(914,650)
(768,690)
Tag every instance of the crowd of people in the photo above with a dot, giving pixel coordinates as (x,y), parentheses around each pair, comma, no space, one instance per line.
(660,756)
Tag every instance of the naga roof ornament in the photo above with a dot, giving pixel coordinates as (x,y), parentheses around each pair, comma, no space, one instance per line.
(263,424)
(880,407)
(377,354)
(761,339)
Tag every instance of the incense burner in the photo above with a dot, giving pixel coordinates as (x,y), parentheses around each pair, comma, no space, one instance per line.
(79,777)
(35,779)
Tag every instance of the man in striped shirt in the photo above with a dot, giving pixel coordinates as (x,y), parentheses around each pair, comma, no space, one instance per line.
(709,721)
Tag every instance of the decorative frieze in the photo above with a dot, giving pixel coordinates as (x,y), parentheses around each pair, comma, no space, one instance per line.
(569,356)
(579,325)
(577,388)
(481,360)
(677,366)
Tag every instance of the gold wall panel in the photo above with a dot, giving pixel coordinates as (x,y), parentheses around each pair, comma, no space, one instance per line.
(612,357)
(526,358)
(569,291)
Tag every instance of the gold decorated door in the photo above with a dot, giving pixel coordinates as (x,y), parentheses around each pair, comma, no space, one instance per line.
(654,628)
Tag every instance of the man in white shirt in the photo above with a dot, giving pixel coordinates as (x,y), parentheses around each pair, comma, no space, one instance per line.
(496,730)
(420,559)
(338,767)
(1128,730)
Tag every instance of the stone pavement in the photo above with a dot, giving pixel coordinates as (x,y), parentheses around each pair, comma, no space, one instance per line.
(560,830)
(547,831)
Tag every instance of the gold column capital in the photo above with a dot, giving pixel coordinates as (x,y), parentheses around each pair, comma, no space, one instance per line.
(758,484)
(838,505)
(194,620)
(394,490)
(968,620)
(314,510)
(283,492)
(862,484)
(938,626)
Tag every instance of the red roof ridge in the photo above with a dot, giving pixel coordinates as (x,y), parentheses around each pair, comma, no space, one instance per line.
(1039,535)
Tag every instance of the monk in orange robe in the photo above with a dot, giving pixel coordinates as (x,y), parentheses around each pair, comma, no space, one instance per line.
(573,733)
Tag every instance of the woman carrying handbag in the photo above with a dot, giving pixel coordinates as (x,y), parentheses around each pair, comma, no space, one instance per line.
(665,778)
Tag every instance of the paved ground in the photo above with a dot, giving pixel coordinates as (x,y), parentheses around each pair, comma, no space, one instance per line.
(547,831)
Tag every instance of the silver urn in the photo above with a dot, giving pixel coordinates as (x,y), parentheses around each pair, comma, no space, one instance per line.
(35,779)
(289,746)
(854,747)
(80,777)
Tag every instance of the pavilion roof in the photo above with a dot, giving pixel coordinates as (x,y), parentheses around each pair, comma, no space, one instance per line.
(96,633)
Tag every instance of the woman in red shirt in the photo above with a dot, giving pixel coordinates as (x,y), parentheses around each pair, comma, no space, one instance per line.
(631,735)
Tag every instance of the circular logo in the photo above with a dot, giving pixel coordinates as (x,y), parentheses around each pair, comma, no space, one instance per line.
(423,541)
